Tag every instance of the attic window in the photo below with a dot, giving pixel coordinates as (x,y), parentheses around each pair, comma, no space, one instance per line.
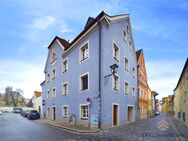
(84,52)
(53,56)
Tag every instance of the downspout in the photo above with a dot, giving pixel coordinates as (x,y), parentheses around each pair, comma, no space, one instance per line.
(99,96)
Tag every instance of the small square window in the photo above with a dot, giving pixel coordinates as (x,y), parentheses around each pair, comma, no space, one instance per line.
(126,64)
(65,66)
(53,74)
(48,77)
(48,111)
(65,89)
(115,82)
(65,111)
(54,92)
(126,88)
(53,56)
(84,111)
(48,94)
(84,52)
(116,52)
(84,82)
(133,71)
(133,91)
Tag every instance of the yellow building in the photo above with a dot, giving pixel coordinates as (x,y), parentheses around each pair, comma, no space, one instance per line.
(164,105)
(181,97)
(149,103)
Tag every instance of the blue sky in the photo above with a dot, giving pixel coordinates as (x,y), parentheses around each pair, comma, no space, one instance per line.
(27,27)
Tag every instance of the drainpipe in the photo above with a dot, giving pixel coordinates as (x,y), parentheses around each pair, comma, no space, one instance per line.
(99,96)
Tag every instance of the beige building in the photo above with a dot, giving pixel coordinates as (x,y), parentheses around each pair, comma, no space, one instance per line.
(181,97)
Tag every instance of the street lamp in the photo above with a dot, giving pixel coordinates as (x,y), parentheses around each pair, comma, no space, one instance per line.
(113,69)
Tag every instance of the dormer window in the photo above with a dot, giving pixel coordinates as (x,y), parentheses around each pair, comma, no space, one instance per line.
(84,52)
(116,52)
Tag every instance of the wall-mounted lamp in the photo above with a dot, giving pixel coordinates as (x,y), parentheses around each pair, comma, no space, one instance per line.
(113,69)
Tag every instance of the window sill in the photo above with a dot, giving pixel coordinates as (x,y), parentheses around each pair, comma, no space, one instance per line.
(83,60)
(116,89)
(84,118)
(64,71)
(116,59)
(84,90)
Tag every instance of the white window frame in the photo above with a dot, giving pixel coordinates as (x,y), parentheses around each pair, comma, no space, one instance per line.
(127,93)
(63,112)
(53,75)
(81,60)
(53,59)
(81,114)
(48,77)
(48,111)
(133,93)
(53,95)
(126,68)
(125,37)
(133,72)
(113,52)
(80,82)
(118,86)
(48,94)
(65,69)
(63,89)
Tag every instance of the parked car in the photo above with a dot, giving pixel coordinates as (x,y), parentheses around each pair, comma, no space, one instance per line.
(33,115)
(26,113)
(1,113)
(17,110)
(156,113)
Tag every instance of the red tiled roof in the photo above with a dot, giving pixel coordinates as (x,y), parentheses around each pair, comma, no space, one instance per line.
(37,94)
(62,41)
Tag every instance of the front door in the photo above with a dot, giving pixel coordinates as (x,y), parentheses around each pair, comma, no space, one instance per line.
(53,113)
(115,115)
(130,113)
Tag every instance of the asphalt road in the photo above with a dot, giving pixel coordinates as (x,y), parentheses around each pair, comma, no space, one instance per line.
(14,127)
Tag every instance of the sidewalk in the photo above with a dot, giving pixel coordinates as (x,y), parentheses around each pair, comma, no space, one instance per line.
(66,126)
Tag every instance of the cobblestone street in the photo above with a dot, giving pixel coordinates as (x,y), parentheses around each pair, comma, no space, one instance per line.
(143,130)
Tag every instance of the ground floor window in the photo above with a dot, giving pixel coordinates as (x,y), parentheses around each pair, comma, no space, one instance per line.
(48,111)
(65,111)
(84,111)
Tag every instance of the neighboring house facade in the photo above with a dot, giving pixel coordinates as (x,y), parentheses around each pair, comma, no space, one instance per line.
(37,101)
(77,81)
(155,101)
(142,85)
(150,110)
(181,97)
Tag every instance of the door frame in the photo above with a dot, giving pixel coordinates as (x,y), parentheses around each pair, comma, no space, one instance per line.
(53,113)
(117,104)
(133,117)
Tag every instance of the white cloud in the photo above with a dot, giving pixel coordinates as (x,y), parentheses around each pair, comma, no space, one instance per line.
(163,75)
(43,23)
(22,75)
